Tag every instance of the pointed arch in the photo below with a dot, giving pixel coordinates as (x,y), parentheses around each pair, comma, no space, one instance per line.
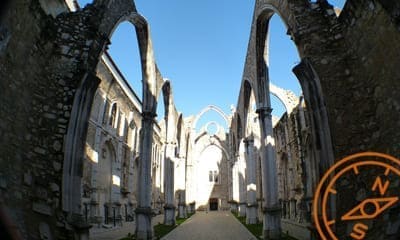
(107,22)
(180,134)
(210,108)
(249,99)
(287,97)
(215,141)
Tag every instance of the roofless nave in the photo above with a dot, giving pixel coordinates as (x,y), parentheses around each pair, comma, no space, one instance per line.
(79,149)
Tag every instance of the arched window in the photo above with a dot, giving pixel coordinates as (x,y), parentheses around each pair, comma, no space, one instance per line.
(113,115)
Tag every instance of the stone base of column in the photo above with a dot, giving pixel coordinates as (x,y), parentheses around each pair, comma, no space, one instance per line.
(169,215)
(144,230)
(182,210)
(189,209)
(234,207)
(251,214)
(192,208)
(80,228)
(242,209)
(272,224)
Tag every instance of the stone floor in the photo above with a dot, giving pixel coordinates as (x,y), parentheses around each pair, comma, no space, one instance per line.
(211,226)
(119,231)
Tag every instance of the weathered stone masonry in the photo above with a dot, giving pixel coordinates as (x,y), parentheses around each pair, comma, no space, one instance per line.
(349,77)
(49,54)
(46,61)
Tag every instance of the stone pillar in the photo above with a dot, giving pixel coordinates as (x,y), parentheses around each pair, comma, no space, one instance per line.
(230,186)
(271,208)
(251,187)
(169,207)
(235,186)
(182,211)
(144,229)
(242,209)
(234,189)
(241,185)
(182,207)
(78,225)
(189,187)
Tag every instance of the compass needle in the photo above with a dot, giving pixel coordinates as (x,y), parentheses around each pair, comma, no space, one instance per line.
(360,208)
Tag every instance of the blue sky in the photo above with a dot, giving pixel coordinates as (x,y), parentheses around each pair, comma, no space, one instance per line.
(201,47)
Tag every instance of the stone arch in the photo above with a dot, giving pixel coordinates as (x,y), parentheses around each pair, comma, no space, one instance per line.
(249,97)
(109,18)
(219,145)
(170,111)
(308,72)
(210,108)
(287,97)
(166,90)
(305,72)
(179,134)
(233,144)
(239,131)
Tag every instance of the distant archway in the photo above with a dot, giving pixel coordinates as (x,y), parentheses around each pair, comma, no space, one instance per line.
(210,108)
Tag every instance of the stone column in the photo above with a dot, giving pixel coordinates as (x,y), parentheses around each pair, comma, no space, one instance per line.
(271,209)
(144,229)
(189,186)
(242,187)
(251,187)
(182,210)
(169,167)
(235,188)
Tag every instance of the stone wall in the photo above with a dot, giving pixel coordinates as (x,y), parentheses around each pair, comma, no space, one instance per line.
(34,113)
(349,77)
(297,170)
(116,130)
(372,84)
(48,58)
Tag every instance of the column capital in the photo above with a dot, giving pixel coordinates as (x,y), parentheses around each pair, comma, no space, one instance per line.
(248,140)
(272,210)
(143,210)
(169,206)
(264,111)
(148,115)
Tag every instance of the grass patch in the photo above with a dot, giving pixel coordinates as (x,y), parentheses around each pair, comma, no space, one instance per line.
(257,229)
(160,230)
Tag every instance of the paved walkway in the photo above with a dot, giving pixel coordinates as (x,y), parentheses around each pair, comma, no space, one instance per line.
(211,226)
(119,232)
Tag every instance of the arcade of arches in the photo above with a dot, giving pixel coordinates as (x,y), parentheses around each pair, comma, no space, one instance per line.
(79,149)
